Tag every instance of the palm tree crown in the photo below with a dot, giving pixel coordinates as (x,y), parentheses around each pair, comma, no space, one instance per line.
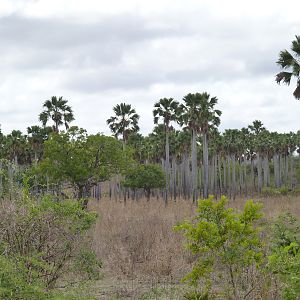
(167,110)
(124,122)
(198,112)
(58,111)
(290,62)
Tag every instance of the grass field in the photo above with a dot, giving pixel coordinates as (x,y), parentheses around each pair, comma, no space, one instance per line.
(143,258)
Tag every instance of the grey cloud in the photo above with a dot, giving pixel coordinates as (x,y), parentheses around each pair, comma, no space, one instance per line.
(111,80)
(39,43)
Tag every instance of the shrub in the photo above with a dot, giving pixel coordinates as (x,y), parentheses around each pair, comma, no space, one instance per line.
(41,242)
(284,260)
(145,177)
(227,244)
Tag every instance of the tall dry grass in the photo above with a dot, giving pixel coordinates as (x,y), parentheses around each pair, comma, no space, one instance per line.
(137,240)
(141,253)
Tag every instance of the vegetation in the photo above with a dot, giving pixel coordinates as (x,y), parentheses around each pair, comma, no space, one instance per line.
(58,111)
(231,255)
(289,61)
(47,177)
(227,245)
(147,177)
(40,242)
(82,160)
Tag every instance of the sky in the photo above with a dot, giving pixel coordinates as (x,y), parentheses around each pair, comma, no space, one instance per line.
(97,54)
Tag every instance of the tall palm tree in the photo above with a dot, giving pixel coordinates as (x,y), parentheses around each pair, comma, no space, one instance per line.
(290,62)
(199,115)
(58,111)
(124,122)
(166,109)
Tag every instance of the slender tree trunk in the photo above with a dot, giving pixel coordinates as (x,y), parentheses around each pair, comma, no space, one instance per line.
(167,165)
(266,170)
(233,163)
(220,175)
(276,170)
(252,176)
(194,165)
(245,176)
(205,166)
(259,173)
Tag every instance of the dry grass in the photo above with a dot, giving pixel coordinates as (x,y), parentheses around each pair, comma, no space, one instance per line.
(137,244)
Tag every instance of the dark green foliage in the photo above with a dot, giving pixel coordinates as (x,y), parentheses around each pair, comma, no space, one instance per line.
(290,63)
(57,110)
(82,160)
(145,177)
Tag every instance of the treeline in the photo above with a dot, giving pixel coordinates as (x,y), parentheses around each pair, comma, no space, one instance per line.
(197,159)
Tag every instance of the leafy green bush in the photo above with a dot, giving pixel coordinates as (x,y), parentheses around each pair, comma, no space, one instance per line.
(271,191)
(14,283)
(145,177)
(42,242)
(227,244)
(285,264)
(284,260)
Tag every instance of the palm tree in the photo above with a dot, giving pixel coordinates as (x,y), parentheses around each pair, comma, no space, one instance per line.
(36,138)
(58,111)
(199,115)
(124,122)
(15,147)
(166,109)
(290,62)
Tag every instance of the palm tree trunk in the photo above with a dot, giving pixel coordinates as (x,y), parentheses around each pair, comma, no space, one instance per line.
(276,170)
(266,170)
(233,175)
(259,173)
(252,176)
(167,164)
(205,166)
(194,164)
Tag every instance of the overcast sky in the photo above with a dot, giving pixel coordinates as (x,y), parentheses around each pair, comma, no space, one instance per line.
(97,54)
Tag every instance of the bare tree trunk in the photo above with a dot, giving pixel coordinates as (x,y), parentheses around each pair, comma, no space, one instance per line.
(233,175)
(266,170)
(259,173)
(276,162)
(167,166)
(205,166)
(194,165)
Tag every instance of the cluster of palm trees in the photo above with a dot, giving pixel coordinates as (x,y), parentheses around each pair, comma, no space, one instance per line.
(198,159)
(25,149)
(196,113)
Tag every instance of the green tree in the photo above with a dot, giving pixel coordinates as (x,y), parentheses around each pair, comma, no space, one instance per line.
(36,137)
(226,243)
(199,115)
(124,122)
(57,110)
(82,160)
(145,177)
(167,110)
(16,147)
(290,63)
